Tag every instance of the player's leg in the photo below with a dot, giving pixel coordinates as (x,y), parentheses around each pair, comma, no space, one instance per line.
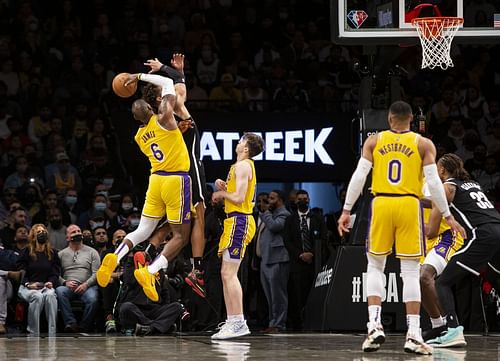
(432,267)
(238,231)
(152,212)
(178,213)
(379,244)
(410,247)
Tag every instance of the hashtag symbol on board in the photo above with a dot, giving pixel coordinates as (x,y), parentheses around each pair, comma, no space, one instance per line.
(356,288)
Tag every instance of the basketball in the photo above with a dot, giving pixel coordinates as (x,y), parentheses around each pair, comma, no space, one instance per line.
(119,86)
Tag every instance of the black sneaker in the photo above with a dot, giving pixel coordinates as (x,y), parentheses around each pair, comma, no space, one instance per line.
(142,330)
(434,332)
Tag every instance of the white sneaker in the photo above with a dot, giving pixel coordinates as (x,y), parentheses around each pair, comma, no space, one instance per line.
(415,344)
(375,338)
(231,329)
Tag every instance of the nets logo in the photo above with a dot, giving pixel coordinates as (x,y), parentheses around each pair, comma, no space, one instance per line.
(298,146)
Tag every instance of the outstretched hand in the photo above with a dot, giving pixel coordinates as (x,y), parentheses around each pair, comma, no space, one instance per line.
(177,62)
(154,64)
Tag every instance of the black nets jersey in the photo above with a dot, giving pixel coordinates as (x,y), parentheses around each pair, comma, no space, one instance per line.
(471,207)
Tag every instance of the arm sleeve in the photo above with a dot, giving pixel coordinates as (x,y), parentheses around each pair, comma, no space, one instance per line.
(436,189)
(156,79)
(357,183)
(275,225)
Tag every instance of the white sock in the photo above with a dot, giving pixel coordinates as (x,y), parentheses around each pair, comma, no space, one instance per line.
(159,263)
(235,318)
(122,251)
(413,322)
(438,322)
(374,315)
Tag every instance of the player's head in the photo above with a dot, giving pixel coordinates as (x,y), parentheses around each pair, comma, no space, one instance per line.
(152,95)
(250,143)
(142,111)
(452,166)
(400,113)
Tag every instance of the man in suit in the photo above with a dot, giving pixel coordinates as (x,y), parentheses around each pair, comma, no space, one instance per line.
(305,239)
(274,263)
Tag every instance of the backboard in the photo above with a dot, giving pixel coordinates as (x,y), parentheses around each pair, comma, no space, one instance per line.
(375,22)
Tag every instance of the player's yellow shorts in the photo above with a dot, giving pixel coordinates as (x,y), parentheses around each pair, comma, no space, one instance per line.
(169,194)
(239,229)
(396,221)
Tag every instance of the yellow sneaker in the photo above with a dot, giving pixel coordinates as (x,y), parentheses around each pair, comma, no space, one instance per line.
(107,267)
(147,282)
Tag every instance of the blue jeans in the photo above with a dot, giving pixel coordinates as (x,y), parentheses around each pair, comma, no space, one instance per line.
(90,300)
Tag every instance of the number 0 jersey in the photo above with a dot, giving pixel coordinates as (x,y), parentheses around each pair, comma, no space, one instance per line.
(165,149)
(397,165)
(470,206)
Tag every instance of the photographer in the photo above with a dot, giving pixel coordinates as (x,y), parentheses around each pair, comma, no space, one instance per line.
(138,312)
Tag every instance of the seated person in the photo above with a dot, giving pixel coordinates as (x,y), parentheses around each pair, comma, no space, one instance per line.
(42,266)
(8,273)
(79,264)
(140,313)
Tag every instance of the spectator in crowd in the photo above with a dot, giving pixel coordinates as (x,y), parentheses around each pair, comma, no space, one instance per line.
(8,274)
(72,205)
(474,106)
(139,313)
(274,261)
(305,236)
(96,216)
(79,263)
(56,229)
(290,98)
(255,98)
(21,176)
(226,97)
(64,175)
(478,159)
(486,123)
(489,175)
(8,234)
(39,125)
(110,293)
(21,240)
(42,270)
(492,141)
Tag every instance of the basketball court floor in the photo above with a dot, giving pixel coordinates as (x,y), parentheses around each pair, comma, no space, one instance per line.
(254,347)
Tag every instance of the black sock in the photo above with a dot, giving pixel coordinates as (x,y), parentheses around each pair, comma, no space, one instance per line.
(452,320)
(197,263)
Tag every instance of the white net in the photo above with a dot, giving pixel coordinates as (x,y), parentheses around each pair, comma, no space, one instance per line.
(436,35)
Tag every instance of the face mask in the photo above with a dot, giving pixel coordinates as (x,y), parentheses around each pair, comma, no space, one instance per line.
(71,200)
(56,223)
(77,238)
(88,240)
(108,182)
(42,237)
(100,206)
(303,206)
(94,225)
(134,222)
(127,206)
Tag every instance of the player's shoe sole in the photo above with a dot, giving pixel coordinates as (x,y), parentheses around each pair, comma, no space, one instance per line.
(147,282)
(197,288)
(107,267)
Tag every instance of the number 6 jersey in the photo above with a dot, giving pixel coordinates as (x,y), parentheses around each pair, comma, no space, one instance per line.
(165,149)
(397,165)
(470,206)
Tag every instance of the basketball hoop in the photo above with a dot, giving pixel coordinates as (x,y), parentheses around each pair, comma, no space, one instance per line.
(436,35)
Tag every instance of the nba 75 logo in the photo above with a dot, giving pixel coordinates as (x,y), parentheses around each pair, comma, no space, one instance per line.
(391,293)
(357,17)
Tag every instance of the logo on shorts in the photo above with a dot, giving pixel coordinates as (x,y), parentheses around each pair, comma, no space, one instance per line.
(187,217)
(235,252)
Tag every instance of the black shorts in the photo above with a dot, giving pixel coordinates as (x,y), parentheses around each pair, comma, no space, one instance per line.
(197,170)
(480,249)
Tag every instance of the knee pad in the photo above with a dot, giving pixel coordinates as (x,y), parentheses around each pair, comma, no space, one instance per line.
(143,231)
(375,275)
(410,273)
